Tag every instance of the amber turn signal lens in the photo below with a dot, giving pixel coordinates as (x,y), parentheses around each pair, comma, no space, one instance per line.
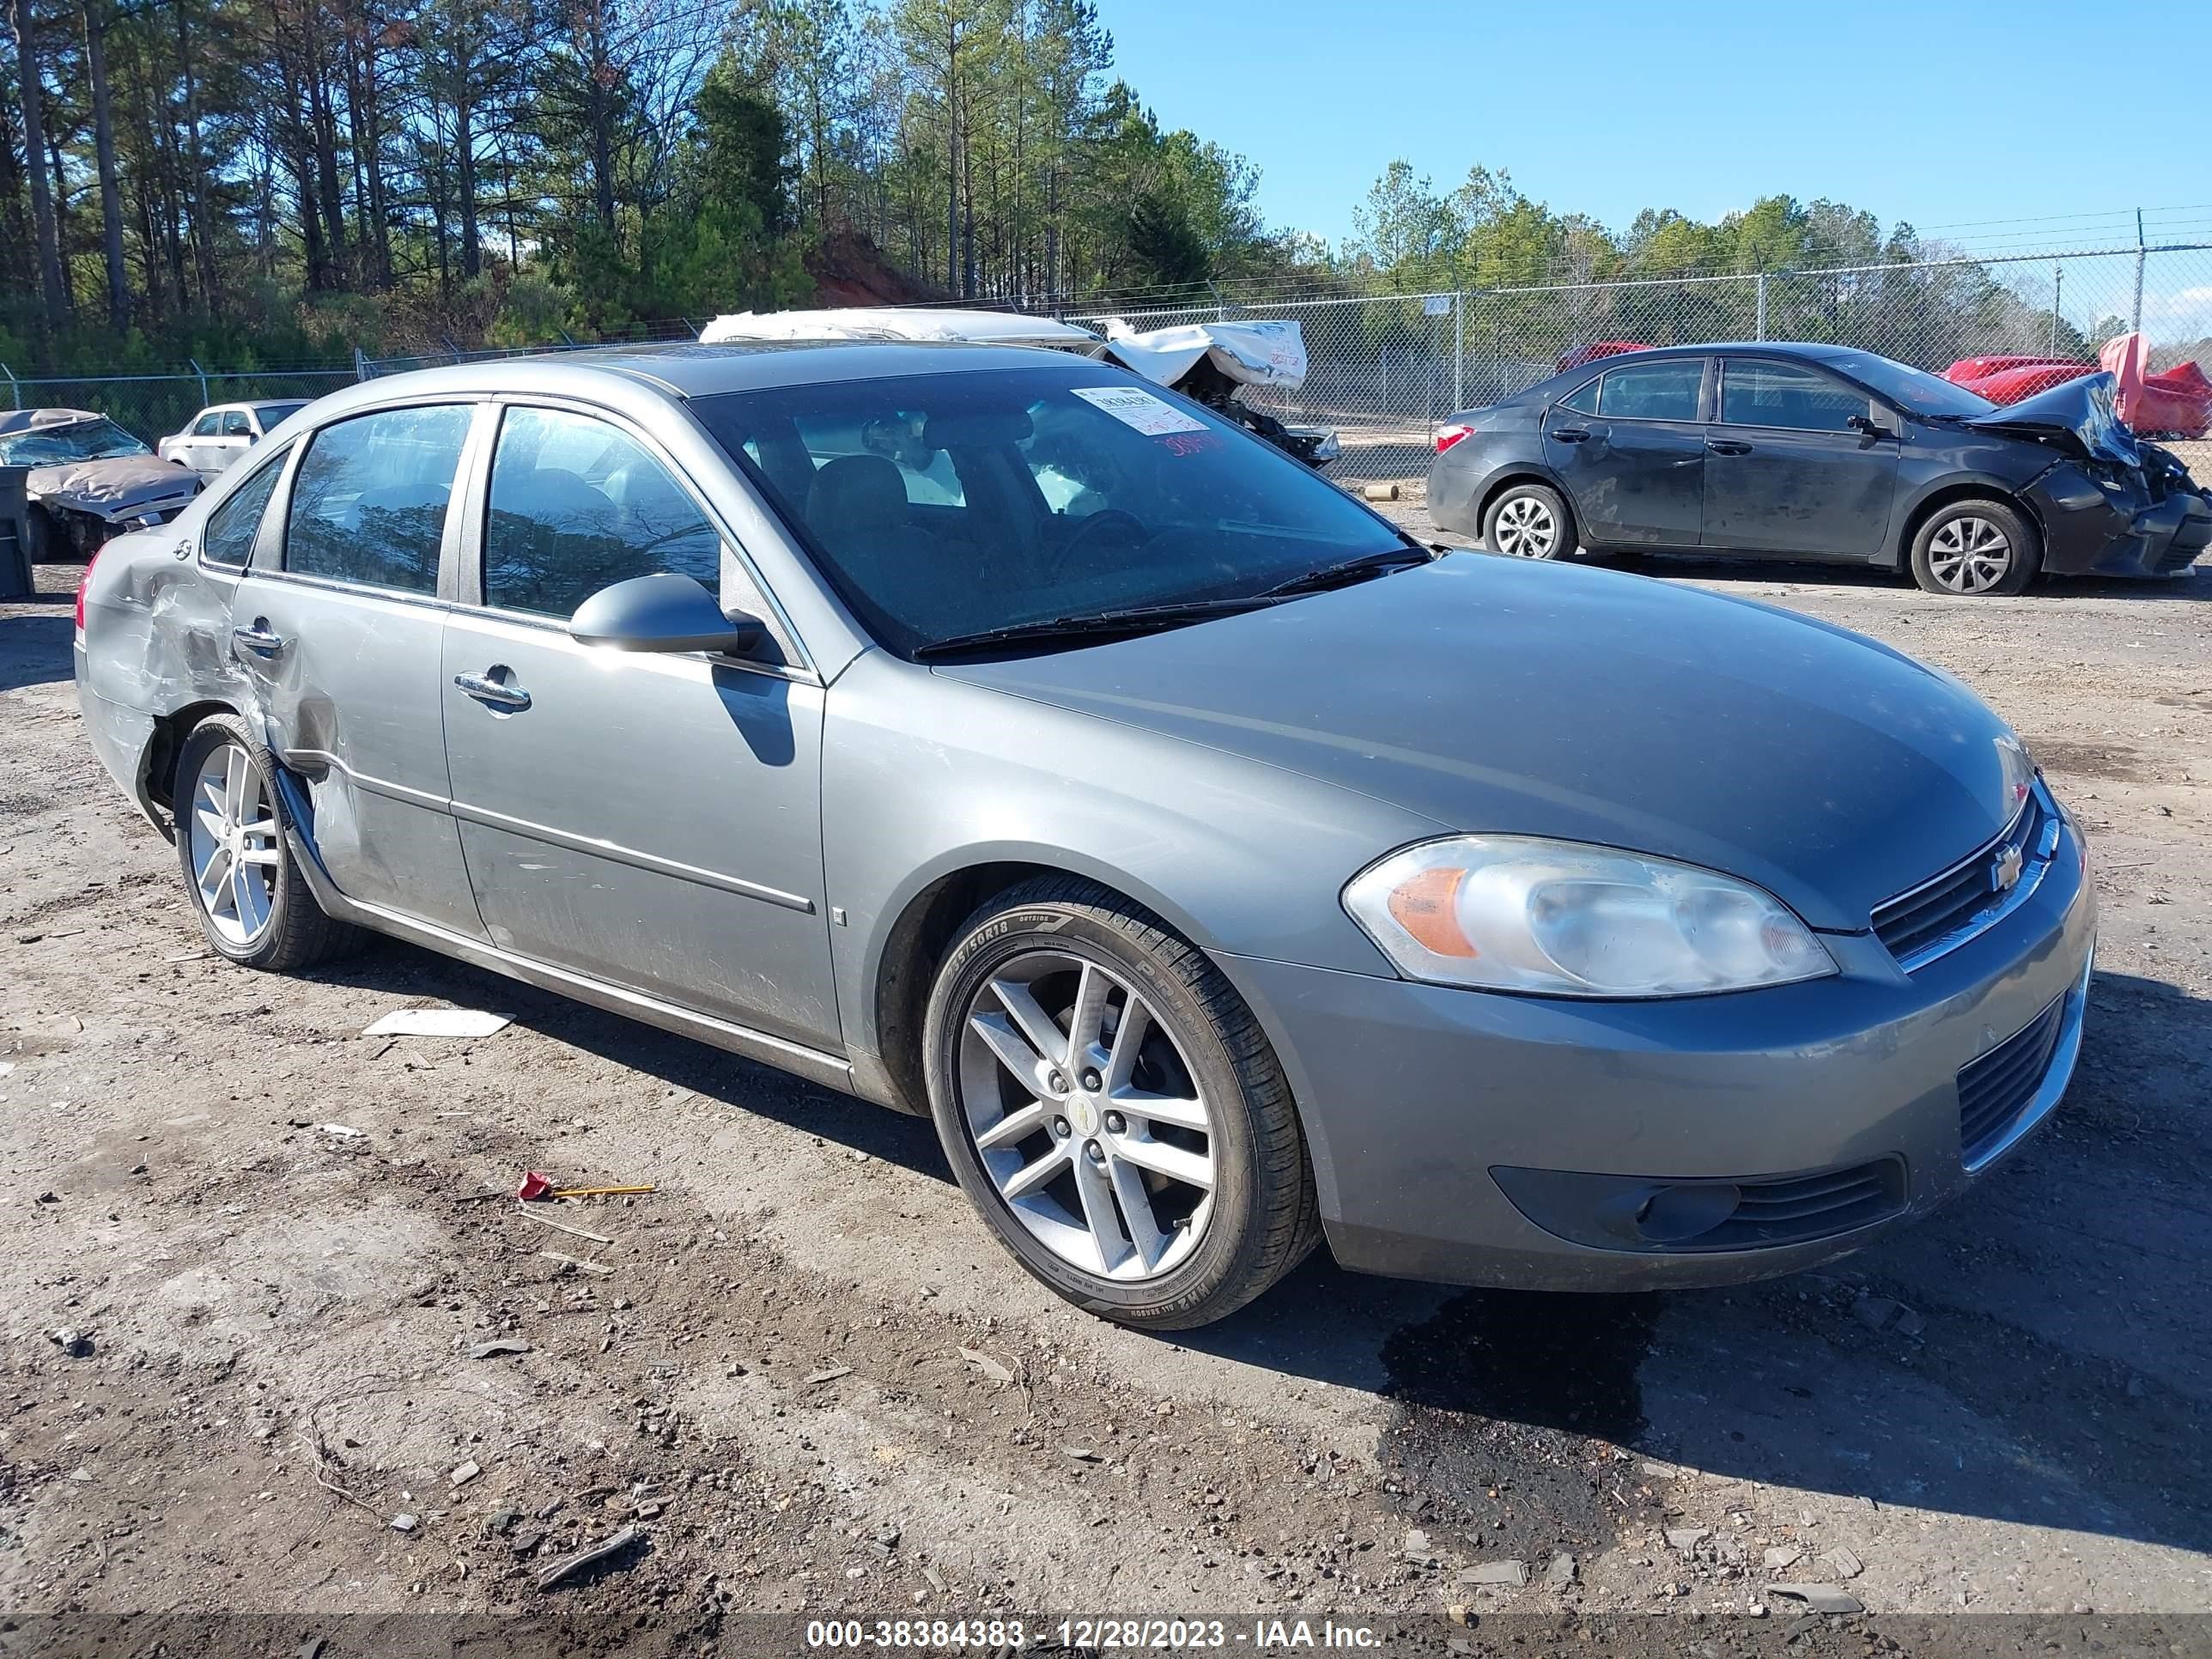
(1423,906)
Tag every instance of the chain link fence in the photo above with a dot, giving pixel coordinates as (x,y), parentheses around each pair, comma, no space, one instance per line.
(1385,370)
(152,406)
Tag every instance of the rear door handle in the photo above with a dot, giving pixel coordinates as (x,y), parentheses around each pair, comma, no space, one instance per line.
(497,694)
(259,637)
(1571,435)
(1727,446)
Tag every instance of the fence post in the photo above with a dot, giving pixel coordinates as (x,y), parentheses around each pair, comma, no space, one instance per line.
(15,393)
(2135,322)
(2057,292)
(360,364)
(1759,324)
(1459,349)
(202,373)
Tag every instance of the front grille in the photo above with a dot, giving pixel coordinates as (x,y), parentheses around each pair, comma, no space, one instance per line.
(1915,924)
(1809,1206)
(1995,1090)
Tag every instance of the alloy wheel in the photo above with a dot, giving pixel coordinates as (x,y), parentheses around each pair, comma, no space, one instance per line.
(1086,1115)
(1526,529)
(233,827)
(1969,554)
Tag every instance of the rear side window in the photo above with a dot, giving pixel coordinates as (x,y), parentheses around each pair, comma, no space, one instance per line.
(577,505)
(1653,392)
(1583,399)
(231,528)
(1787,394)
(369,502)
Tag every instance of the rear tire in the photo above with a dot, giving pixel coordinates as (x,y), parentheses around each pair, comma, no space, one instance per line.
(251,902)
(1165,1218)
(1529,521)
(1976,549)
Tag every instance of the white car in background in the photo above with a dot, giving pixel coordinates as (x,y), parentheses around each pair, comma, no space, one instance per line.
(219,434)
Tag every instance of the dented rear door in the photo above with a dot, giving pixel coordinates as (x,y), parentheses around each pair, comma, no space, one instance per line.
(338,629)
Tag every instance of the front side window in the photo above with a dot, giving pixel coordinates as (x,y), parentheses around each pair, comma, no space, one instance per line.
(231,528)
(1754,393)
(1653,392)
(941,506)
(369,502)
(577,505)
(234,425)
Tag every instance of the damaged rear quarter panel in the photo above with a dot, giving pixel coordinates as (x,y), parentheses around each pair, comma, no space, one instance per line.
(156,640)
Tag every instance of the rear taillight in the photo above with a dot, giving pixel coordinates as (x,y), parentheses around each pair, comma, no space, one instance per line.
(1449,435)
(83,583)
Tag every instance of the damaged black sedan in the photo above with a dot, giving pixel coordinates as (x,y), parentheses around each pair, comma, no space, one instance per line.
(1800,451)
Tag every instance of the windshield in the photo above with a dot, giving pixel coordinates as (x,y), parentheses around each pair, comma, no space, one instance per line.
(945,505)
(1916,389)
(80,440)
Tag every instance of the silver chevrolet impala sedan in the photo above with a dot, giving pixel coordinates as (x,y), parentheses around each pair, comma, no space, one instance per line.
(993,735)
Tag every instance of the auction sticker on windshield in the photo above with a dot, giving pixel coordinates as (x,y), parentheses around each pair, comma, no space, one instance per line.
(1134,407)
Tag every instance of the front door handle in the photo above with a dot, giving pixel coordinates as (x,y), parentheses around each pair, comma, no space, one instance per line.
(495,693)
(259,637)
(1571,435)
(1727,446)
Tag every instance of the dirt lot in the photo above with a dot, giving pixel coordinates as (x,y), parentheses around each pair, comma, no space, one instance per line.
(807,1377)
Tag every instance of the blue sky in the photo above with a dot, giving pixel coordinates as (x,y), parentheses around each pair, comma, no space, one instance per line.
(1939,113)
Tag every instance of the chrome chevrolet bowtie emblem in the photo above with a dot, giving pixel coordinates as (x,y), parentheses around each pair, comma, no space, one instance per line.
(2008,866)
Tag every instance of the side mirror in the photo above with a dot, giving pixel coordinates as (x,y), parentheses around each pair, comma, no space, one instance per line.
(1869,426)
(663,612)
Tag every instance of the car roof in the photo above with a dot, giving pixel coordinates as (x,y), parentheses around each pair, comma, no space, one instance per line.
(632,376)
(16,421)
(1812,351)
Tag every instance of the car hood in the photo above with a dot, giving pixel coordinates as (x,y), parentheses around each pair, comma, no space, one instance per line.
(110,486)
(1495,695)
(2080,417)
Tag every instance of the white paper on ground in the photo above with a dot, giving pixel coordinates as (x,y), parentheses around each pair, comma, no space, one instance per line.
(437,1021)
(1139,409)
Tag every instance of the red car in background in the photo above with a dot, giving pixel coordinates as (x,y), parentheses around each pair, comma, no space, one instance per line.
(1590,354)
(2175,402)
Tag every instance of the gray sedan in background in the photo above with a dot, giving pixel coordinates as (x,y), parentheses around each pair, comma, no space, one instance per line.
(998,736)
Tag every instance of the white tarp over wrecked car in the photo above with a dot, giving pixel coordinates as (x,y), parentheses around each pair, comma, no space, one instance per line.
(1249,353)
(902,323)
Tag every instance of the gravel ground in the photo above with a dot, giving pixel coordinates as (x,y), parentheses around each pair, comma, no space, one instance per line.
(803,1374)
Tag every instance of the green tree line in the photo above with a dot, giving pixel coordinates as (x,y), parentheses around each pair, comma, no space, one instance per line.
(252,182)
(255,180)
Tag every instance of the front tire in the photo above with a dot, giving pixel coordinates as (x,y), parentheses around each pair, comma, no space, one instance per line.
(1113,1110)
(1529,521)
(252,904)
(1974,550)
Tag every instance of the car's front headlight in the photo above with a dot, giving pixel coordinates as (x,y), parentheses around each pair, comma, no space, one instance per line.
(1514,913)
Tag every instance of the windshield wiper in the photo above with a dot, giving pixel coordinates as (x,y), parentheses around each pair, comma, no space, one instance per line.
(1135,620)
(1353,570)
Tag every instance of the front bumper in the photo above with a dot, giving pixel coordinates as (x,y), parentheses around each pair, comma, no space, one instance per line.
(2118,529)
(1424,1104)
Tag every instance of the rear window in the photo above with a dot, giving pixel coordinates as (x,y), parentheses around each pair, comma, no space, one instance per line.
(943,505)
